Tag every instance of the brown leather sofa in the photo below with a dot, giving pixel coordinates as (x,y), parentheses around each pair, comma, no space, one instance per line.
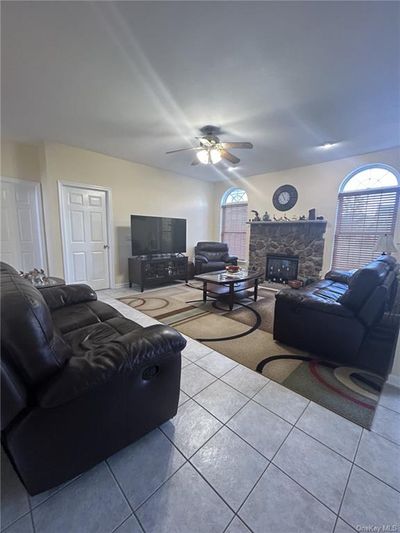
(79,381)
(212,256)
(341,317)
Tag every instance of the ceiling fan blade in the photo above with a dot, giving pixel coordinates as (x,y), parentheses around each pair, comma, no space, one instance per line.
(229,157)
(195,162)
(180,150)
(237,145)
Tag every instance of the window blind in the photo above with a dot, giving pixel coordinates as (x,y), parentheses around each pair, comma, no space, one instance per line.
(362,217)
(234,218)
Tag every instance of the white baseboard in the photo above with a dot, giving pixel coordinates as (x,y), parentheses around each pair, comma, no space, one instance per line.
(394,380)
(121,285)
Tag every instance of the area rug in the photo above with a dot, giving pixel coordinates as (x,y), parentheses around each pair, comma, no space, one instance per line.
(245,335)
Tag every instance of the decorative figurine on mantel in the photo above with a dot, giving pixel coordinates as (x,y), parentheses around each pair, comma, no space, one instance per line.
(256,217)
(266,217)
(303,217)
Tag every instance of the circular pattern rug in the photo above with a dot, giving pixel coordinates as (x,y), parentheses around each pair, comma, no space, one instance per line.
(348,391)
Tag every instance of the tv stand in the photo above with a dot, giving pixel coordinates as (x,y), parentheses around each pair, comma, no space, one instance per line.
(151,270)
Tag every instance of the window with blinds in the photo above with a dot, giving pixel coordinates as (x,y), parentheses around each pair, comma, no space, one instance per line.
(234,218)
(362,217)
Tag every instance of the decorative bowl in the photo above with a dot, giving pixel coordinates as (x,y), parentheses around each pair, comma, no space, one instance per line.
(232,268)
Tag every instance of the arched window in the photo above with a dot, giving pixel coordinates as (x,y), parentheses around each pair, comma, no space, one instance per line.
(233,221)
(368,205)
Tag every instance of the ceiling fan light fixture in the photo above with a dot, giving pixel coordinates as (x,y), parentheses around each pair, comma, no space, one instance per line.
(211,150)
(215,155)
(203,157)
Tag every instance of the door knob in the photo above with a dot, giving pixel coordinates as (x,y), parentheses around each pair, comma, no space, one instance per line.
(106,246)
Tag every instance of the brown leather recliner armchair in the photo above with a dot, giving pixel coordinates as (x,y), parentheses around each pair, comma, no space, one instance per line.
(79,381)
(212,256)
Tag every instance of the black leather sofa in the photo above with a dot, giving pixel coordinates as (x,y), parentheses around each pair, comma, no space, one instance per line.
(78,380)
(340,318)
(212,256)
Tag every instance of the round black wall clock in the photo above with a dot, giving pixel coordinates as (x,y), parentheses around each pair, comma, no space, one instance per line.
(285,197)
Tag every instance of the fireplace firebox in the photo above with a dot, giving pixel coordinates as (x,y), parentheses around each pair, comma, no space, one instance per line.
(281,268)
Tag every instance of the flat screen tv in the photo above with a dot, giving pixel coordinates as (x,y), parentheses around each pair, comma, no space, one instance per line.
(157,235)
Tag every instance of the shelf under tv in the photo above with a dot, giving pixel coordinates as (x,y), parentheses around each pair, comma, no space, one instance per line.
(146,271)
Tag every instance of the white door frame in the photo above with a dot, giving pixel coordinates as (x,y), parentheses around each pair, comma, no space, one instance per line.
(107,190)
(40,218)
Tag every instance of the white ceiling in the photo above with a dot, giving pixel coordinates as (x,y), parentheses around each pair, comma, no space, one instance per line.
(135,79)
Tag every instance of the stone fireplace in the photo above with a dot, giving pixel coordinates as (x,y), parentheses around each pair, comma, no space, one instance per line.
(296,239)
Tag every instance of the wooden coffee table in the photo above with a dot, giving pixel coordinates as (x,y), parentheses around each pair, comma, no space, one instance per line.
(220,284)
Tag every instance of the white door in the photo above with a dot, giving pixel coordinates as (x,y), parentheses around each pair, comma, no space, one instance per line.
(86,243)
(22,242)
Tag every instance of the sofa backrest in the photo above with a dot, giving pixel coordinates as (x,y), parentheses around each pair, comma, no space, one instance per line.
(364,282)
(28,339)
(389,260)
(214,251)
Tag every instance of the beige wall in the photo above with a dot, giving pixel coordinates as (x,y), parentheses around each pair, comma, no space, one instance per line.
(20,161)
(135,188)
(317,186)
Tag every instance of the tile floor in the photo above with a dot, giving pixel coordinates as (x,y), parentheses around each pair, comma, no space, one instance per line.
(242,455)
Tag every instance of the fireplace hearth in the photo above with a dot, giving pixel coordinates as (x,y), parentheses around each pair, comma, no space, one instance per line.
(281,268)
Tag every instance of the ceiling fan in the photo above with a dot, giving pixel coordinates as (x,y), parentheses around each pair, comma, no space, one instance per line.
(212,150)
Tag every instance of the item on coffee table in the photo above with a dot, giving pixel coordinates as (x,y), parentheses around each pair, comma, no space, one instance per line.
(232,268)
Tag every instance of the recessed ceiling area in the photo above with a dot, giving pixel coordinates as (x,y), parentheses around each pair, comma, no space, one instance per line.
(137,79)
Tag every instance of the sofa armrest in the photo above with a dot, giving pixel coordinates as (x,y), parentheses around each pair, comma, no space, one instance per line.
(64,295)
(127,354)
(200,259)
(340,276)
(232,259)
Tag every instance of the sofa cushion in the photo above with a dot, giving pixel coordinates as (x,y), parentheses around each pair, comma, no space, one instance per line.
(80,315)
(324,290)
(28,337)
(89,337)
(207,246)
(57,297)
(5,267)
(213,266)
(389,260)
(213,256)
(340,276)
(363,282)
